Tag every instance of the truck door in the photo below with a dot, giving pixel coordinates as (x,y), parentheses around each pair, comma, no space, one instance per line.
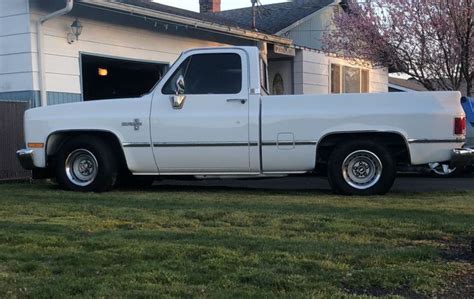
(199,117)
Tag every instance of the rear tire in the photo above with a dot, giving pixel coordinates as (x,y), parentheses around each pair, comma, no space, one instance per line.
(361,168)
(86,164)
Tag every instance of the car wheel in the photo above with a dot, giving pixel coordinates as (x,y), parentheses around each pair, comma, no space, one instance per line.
(86,164)
(361,168)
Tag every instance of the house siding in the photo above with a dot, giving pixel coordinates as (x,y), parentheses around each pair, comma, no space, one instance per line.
(309,32)
(378,80)
(33,97)
(15,46)
(312,73)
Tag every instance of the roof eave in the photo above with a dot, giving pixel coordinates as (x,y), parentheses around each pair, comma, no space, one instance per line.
(229,30)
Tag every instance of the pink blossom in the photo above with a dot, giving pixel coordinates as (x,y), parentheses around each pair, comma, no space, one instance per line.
(430,40)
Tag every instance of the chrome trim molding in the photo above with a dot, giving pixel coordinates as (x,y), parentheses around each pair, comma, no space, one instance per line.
(276,143)
(136,144)
(216,173)
(284,172)
(456,140)
(219,144)
(203,144)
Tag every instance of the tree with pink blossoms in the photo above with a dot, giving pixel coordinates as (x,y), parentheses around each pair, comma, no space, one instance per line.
(429,40)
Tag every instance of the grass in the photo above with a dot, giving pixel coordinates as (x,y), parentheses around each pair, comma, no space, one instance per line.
(205,242)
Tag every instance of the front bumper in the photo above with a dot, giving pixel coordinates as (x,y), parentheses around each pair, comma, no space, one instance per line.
(462,157)
(25,156)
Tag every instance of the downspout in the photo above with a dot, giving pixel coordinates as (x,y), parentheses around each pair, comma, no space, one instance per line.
(39,32)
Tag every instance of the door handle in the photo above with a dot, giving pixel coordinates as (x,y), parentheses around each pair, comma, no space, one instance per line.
(242,101)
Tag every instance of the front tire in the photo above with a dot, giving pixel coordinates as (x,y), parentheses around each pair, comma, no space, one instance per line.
(361,168)
(86,164)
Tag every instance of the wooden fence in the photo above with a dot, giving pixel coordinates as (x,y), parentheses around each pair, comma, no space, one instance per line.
(11,139)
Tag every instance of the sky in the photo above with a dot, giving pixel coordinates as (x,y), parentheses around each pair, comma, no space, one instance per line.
(226,4)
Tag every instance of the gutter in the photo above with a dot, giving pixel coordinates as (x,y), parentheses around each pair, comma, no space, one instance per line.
(39,31)
(235,31)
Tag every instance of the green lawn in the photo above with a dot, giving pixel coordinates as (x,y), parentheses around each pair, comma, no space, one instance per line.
(217,242)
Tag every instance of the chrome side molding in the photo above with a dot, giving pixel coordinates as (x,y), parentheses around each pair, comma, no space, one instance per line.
(455,140)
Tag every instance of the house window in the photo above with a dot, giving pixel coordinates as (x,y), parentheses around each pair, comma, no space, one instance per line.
(347,79)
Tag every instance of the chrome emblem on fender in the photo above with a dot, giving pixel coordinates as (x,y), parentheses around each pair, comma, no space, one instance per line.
(136,124)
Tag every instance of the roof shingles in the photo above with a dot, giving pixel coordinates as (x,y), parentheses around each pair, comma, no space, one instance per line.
(270,19)
(273,18)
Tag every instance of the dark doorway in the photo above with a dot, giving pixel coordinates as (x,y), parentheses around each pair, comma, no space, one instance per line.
(112,78)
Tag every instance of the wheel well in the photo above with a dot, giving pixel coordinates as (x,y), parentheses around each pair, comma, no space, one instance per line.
(56,140)
(395,142)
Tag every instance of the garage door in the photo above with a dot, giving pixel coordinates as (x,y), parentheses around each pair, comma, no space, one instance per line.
(113,78)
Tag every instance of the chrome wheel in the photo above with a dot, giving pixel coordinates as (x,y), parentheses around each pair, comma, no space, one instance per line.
(81,167)
(441,169)
(362,169)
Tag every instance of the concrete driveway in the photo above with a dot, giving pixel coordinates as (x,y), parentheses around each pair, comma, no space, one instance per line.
(404,183)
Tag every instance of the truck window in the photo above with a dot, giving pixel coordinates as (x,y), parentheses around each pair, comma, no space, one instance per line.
(208,74)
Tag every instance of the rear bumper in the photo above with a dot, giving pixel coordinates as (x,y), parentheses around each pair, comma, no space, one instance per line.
(25,156)
(462,157)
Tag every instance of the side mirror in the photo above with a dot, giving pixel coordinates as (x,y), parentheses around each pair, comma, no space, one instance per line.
(180,85)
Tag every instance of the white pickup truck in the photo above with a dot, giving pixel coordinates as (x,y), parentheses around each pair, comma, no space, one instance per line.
(211,116)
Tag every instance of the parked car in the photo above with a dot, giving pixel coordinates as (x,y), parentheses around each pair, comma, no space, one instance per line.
(211,116)
(447,170)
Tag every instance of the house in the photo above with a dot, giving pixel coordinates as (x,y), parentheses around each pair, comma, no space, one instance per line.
(304,22)
(404,85)
(407,85)
(97,49)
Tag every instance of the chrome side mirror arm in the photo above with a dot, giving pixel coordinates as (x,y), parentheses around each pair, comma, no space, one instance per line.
(177,101)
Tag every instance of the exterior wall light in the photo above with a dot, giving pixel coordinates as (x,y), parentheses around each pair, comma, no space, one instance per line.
(76,30)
